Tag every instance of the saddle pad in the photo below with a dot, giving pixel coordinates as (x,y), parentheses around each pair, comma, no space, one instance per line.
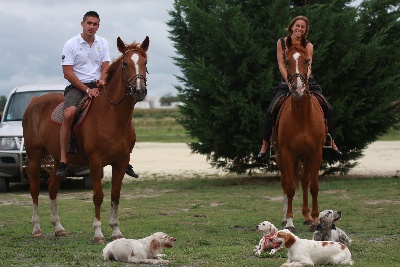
(323,105)
(277,107)
(57,116)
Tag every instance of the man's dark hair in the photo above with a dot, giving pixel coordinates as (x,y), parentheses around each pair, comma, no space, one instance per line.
(91,14)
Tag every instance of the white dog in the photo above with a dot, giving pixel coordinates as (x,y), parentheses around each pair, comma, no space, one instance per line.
(304,252)
(327,230)
(268,230)
(145,250)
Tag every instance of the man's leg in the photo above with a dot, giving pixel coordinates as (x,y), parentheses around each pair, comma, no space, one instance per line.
(65,135)
(129,170)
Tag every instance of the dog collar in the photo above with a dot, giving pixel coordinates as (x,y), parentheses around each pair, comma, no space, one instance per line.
(266,240)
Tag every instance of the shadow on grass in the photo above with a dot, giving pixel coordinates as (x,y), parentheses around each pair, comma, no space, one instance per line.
(67,184)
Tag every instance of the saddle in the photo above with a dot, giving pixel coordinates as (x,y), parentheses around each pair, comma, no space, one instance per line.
(57,116)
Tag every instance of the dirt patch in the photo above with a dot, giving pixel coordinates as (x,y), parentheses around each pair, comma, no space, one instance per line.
(176,161)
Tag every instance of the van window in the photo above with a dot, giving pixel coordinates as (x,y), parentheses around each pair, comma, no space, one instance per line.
(18,103)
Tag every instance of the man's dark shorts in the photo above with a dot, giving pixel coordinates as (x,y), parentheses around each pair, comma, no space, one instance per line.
(72,96)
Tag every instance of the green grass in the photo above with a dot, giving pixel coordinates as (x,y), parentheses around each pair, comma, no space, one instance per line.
(392,135)
(159,125)
(213,219)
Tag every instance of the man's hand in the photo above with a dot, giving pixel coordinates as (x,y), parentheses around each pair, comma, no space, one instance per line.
(100,83)
(93,92)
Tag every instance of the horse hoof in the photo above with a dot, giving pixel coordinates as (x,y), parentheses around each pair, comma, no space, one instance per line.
(98,240)
(60,233)
(37,235)
(313,228)
(116,237)
(308,222)
(291,229)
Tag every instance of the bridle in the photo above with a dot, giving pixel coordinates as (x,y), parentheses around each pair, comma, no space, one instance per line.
(131,87)
(291,78)
(303,78)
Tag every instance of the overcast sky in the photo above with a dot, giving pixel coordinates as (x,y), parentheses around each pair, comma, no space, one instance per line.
(33,32)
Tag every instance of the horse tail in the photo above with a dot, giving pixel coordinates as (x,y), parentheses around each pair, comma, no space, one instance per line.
(298,172)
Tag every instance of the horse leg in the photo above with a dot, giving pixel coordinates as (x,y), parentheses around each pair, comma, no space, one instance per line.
(117,176)
(305,182)
(98,196)
(314,188)
(285,199)
(34,182)
(289,188)
(54,186)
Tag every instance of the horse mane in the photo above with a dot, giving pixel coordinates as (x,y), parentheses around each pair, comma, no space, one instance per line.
(299,48)
(289,41)
(115,65)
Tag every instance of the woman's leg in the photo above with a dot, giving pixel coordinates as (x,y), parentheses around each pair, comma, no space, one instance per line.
(268,123)
(328,111)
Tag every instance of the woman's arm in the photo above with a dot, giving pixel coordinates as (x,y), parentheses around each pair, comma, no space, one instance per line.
(281,61)
(310,50)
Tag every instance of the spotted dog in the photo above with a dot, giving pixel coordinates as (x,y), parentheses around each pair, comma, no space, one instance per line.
(304,252)
(146,250)
(326,229)
(268,230)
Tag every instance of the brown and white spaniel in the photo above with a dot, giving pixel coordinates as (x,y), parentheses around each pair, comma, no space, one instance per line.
(145,250)
(304,252)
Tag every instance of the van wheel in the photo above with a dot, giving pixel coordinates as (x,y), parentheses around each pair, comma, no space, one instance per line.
(88,182)
(4,184)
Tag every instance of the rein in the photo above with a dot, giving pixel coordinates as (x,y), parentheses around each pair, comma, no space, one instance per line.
(131,88)
(297,75)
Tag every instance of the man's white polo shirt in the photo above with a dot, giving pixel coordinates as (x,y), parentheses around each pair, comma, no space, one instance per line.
(86,60)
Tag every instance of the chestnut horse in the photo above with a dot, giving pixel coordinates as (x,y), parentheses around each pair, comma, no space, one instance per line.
(299,138)
(107,136)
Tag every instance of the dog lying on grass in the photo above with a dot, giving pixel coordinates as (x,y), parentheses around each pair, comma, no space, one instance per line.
(145,250)
(268,230)
(304,252)
(327,230)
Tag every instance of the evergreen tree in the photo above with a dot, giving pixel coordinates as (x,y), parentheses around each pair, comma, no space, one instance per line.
(227,54)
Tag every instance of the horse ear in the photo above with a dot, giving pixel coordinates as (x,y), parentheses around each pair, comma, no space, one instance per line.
(145,43)
(121,45)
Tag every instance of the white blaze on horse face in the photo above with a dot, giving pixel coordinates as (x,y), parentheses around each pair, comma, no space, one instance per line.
(135,59)
(299,84)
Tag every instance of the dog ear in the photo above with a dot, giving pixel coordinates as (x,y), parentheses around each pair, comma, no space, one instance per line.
(289,240)
(155,245)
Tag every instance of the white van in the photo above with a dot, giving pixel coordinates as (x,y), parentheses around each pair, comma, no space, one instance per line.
(12,150)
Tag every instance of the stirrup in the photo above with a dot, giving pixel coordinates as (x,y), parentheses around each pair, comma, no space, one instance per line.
(328,141)
(272,151)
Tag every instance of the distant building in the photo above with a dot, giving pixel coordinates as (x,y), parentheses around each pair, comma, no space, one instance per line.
(154,102)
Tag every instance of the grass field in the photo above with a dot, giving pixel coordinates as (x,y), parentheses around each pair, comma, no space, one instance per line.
(159,125)
(213,219)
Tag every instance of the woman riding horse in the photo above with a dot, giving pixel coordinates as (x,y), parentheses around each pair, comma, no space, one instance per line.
(298,29)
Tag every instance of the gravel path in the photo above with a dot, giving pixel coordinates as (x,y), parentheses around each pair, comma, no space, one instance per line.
(172,160)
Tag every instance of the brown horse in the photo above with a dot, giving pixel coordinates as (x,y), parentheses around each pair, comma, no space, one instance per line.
(107,136)
(299,138)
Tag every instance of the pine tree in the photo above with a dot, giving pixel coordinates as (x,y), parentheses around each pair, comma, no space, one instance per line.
(227,54)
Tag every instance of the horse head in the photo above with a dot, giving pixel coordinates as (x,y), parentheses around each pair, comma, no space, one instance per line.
(297,67)
(134,60)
